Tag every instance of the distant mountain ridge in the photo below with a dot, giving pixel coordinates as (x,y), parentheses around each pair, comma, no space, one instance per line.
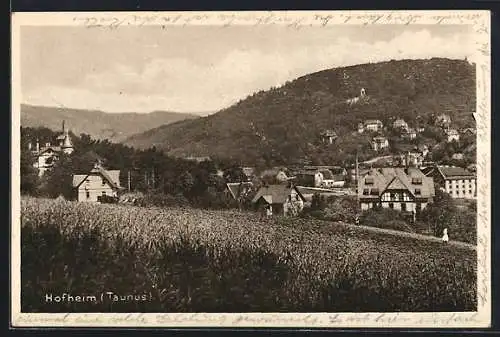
(101,125)
(284,124)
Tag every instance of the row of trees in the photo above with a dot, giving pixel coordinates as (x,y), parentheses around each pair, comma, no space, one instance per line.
(149,171)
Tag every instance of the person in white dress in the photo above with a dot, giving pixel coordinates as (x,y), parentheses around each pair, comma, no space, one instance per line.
(445,237)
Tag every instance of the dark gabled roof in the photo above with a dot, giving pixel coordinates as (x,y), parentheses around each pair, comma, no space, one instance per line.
(372,121)
(327,174)
(237,188)
(449,172)
(389,178)
(328,133)
(51,147)
(112,177)
(275,194)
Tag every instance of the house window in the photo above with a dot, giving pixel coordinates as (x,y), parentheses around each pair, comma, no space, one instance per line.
(103,192)
(365,191)
(87,194)
(391,205)
(374,191)
(87,181)
(369,181)
(416,181)
(418,191)
(470,191)
(103,182)
(403,207)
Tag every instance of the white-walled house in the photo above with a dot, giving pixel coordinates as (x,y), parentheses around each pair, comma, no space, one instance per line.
(403,189)
(458,182)
(98,182)
(47,155)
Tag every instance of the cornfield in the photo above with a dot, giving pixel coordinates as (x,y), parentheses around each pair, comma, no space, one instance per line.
(190,260)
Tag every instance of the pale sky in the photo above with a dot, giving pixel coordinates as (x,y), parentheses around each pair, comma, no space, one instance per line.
(200,68)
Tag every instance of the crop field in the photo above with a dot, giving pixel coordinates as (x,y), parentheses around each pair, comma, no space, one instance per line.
(189,260)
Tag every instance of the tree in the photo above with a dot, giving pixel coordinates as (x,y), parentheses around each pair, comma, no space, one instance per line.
(318,202)
(59,179)
(234,174)
(440,213)
(29,174)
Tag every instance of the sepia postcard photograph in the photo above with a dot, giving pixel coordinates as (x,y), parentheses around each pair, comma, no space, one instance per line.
(309,169)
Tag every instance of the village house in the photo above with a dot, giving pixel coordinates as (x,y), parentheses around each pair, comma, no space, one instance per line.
(410,158)
(280,199)
(403,189)
(98,182)
(443,121)
(238,191)
(46,156)
(410,134)
(198,159)
(458,182)
(468,131)
(379,143)
(452,135)
(249,172)
(308,178)
(320,177)
(400,124)
(331,180)
(328,136)
(370,125)
(422,149)
(278,174)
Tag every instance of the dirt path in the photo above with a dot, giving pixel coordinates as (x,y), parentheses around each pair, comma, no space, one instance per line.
(373,160)
(412,235)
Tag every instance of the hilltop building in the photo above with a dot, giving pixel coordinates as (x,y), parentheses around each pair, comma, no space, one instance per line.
(452,135)
(403,189)
(379,143)
(400,124)
(328,136)
(49,154)
(370,125)
(443,121)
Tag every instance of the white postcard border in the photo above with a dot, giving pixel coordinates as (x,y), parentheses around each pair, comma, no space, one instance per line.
(480,20)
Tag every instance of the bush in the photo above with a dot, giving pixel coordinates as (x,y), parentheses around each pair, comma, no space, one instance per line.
(386,218)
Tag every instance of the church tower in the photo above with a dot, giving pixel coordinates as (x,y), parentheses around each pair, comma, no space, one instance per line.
(65,141)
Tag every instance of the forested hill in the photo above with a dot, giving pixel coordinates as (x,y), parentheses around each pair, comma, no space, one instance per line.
(98,124)
(283,124)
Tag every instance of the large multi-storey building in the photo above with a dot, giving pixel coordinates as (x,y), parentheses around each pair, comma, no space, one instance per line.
(456,181)
(48,155)
(403,189)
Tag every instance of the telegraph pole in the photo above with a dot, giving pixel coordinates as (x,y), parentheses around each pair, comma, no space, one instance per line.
(153,176)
